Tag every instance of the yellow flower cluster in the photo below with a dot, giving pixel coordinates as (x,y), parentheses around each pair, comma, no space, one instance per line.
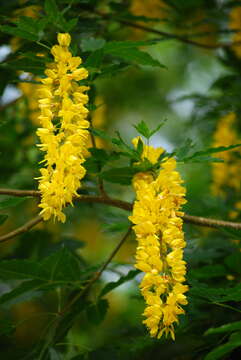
(64,131)
(158,228)
(226,174)
(235,24)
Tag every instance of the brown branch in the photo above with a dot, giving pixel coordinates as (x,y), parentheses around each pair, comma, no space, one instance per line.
(98,274)
(22,229)
(196,220)
(167,35)
(201,221)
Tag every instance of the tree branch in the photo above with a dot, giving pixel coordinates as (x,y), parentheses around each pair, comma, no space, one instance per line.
(98,274)
(22,229)
(189,219)
(165,34)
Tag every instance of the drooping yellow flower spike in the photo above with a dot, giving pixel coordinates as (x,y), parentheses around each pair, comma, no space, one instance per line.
(64,131)
(226,174)
(158,229)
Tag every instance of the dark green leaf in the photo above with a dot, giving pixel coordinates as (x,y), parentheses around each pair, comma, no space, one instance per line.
(220,351)
(94,60)
(26,291)
(10,202)
(113,285)
(19,269)
(96,312)
(135,55)
(209,271)
(3,218)
(15,31)
(113,46)
(233,261)
(121,176)
(61,265)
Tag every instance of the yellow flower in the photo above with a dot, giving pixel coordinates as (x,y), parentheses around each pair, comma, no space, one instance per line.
(64,131)
(226,174)
(159,254)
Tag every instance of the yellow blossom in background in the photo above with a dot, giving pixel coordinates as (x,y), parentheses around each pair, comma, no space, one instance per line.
(155,9)
(226,174)
(158,228)
(197,26)
(64,129)
(235,24)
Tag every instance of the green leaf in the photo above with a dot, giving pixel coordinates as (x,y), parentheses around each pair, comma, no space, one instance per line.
(25,291)
(209,271)
(134,55)
(15,31)
(233,261)
(220,351)
(51,9)
(10,202)
(35,66)
(3,218)
(182,152)
(113,46)
(94,60)
(61,265)
(56,17)
(92,44)
(123,279)
(224,328)
(144,130)
(121,175)
(96,312)
(202,155)
(102,134)
(19,269)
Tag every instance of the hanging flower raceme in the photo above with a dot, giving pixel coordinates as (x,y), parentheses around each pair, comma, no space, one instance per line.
(63,131)
(158,229)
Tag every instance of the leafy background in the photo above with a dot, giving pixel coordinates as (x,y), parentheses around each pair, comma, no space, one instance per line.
(136,77)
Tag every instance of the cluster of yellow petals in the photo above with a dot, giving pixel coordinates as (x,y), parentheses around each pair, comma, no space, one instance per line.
(235,24)
(158,229)
(226,174)
(64,131)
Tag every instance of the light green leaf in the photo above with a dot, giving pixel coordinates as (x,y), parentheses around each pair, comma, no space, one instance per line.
(123,279)
(224,328)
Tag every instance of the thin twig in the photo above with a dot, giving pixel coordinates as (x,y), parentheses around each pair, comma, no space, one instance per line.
(166,34)
(22,229)
(196,220)
(98,274)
